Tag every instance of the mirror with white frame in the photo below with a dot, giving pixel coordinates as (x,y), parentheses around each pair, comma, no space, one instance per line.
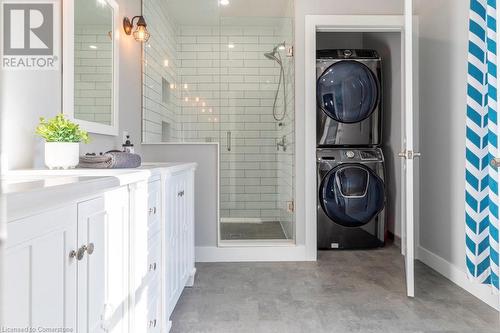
(90,64)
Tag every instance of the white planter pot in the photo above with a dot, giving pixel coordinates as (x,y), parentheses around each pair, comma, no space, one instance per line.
(62,155)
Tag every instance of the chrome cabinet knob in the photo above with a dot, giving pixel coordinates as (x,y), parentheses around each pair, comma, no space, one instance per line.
(152,267)
(84,248)
(72,254)
(90,248)
(81,252)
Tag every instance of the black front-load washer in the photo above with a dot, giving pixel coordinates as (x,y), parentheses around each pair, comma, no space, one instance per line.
(351,198)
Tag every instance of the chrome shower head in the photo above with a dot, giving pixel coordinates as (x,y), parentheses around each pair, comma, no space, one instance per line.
(273,54)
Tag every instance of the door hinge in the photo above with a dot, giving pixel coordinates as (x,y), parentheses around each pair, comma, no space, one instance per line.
(409,154)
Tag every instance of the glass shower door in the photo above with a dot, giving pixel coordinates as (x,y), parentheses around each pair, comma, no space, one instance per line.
(256,129)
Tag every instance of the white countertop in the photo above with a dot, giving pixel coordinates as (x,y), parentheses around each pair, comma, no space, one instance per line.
(33,189)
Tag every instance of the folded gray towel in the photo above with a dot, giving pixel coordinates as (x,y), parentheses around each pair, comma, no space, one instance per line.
(110,160)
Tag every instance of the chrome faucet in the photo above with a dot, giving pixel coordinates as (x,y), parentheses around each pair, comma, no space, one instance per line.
(281,143)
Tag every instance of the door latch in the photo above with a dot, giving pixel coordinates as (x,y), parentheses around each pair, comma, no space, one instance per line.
(495,162)
(409,154)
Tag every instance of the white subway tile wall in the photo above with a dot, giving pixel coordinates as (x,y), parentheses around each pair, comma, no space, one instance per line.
(93,73)
(228,94)
(224,92)
(160,66)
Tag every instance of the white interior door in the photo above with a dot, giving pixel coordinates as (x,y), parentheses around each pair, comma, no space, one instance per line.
(408,154)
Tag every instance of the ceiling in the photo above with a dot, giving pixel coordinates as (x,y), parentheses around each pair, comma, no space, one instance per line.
(208,12)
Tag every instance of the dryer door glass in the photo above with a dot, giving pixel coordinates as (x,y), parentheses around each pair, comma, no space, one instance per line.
(352,195)
(348,92)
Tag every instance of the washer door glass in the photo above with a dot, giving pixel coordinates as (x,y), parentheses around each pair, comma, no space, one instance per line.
(348,92)
(352,195)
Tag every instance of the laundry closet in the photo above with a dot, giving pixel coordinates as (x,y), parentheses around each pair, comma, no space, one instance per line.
(359,118)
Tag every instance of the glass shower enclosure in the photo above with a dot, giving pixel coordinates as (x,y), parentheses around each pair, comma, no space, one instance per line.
(229,72)
(256,128)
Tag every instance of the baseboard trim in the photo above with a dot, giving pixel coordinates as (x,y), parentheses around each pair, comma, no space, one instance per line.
(396,240)
(457,276)
(252,253)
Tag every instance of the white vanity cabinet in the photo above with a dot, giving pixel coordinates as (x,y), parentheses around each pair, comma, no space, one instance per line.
(108,255)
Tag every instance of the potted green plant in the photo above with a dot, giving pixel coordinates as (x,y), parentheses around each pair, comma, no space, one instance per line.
(62,138)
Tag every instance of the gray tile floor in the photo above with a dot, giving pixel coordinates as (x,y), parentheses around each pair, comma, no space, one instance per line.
(357,291)
(253,231)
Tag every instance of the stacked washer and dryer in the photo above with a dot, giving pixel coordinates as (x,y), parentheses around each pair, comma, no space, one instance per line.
(350,162)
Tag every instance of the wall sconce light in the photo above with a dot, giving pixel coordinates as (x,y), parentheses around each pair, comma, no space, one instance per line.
(141,33)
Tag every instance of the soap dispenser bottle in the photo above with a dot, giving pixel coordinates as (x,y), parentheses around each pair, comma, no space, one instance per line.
(128,147)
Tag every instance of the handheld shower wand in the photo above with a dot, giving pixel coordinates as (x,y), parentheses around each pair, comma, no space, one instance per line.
(276,56)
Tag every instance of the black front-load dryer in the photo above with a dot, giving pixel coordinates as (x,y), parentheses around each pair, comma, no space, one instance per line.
(349,97)
(351,198)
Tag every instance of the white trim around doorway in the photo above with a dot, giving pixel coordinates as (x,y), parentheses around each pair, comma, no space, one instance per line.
(307,176)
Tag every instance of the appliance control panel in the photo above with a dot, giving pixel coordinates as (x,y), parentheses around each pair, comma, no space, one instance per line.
(350,154)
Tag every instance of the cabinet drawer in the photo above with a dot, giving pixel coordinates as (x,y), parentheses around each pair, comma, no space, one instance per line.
(154,316)
(147,310)
(154,230)
(154,208)
(154,257)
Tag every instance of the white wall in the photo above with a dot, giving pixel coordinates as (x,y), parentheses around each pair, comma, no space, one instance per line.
(28,95)
(443,86)
(443,77)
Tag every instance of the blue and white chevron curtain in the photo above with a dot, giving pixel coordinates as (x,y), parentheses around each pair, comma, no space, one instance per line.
(482,200)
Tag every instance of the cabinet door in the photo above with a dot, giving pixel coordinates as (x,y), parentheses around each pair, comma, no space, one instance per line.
(172,213)
(92,225)
(40,284)
(184,226)
(179,235)
(103,270)
(117,258)
(190,243)
(186,221)
(139,235)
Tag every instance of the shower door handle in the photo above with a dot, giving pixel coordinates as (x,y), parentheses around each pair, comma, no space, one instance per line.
(228,137)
